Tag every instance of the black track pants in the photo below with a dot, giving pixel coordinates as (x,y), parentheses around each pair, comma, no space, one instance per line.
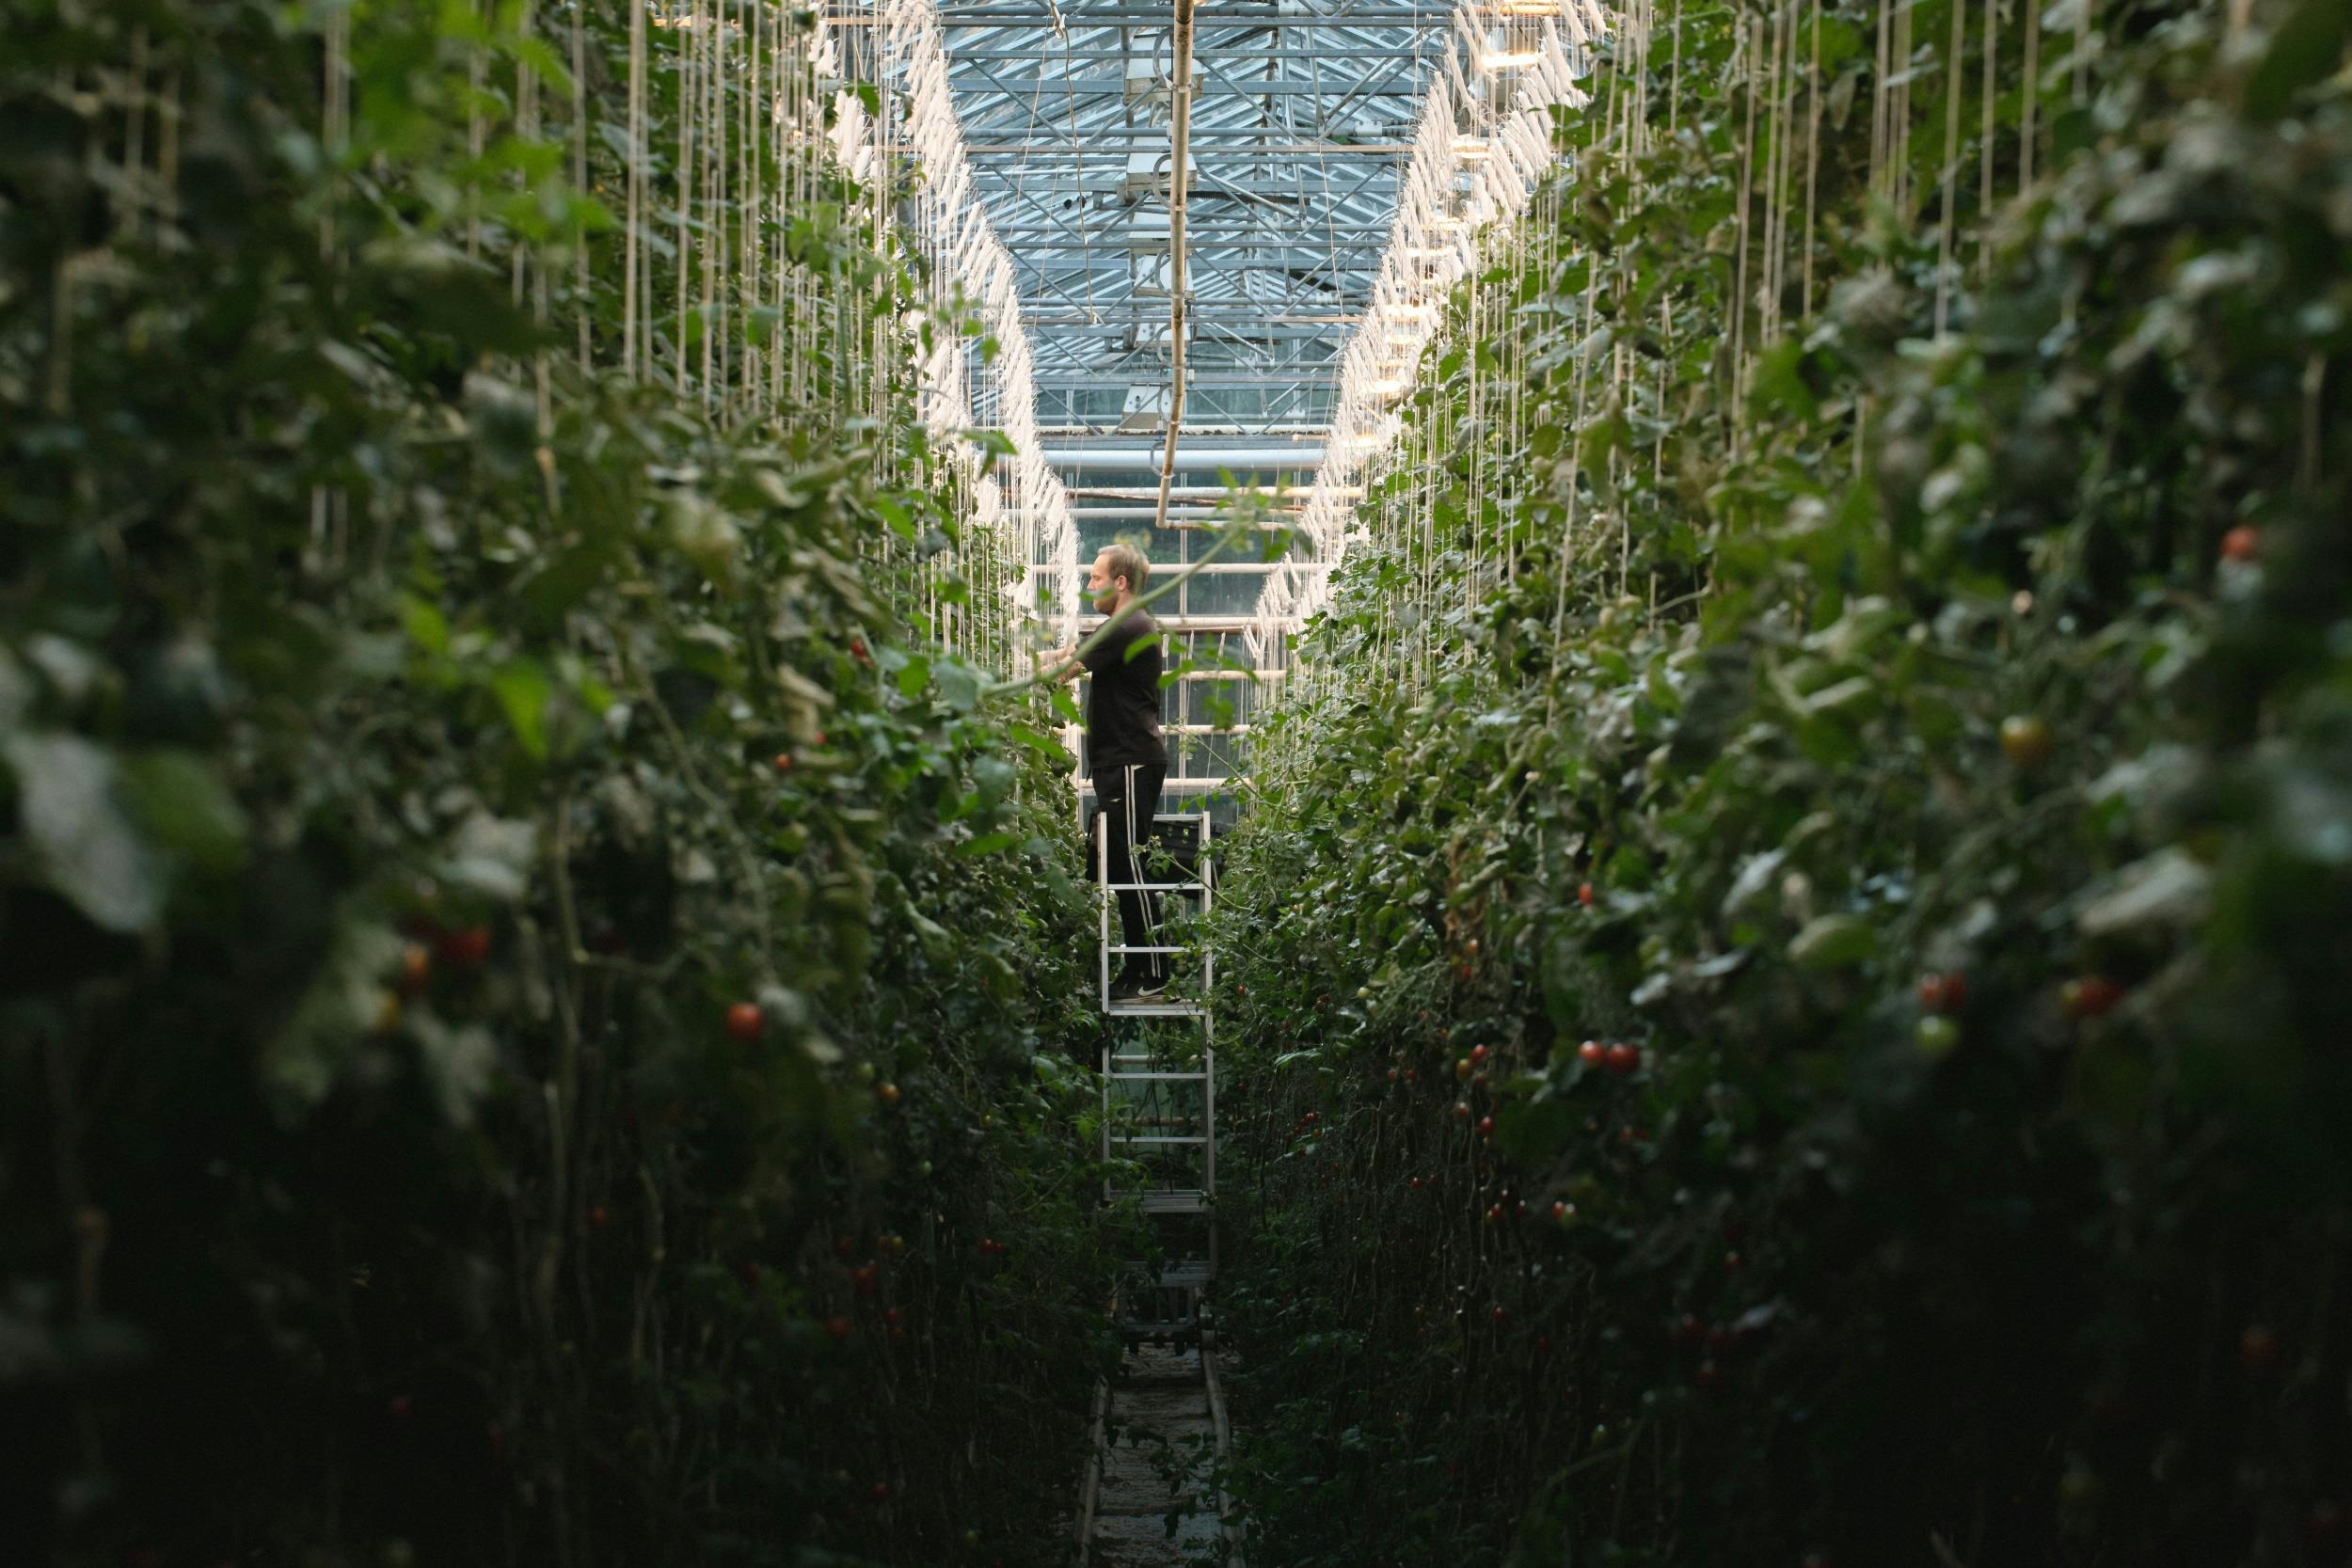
(1129,796)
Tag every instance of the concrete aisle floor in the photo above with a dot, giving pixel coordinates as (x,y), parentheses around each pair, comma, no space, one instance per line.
(1164,1438)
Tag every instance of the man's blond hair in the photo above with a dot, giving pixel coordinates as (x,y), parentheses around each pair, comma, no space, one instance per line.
(1125,560)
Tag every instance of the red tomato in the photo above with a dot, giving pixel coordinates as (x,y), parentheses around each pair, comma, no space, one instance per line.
(1623,1060)
(466,948)
(840,1328)
(1592,1053)
(1943,993)
(2091,996)
(2241,544)
(416,968)
(1584,893)
(745,1022)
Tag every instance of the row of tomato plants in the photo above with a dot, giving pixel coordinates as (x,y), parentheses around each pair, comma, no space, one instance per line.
(532,1006)
(1848,1070)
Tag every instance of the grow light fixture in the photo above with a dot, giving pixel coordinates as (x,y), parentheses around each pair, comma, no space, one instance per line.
(1471,149)
(1509,59)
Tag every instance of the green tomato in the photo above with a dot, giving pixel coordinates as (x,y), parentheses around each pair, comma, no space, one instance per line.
(1936,1036)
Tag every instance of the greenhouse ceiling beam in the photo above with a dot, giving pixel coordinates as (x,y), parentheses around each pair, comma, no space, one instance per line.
(1199,311)
(1131,459)
(1270,245)
(1256,53)
(1125,17)
(1216,380)
(1319,279)
(1273,329)
(1056,91)
(1374,236)
(1231,142)
(1207,185)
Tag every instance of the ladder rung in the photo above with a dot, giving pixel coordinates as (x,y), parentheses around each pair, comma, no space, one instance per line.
(1155,887)
(1172,1077)
(1115,947)
(1131,1009)
(1163,1200)
(1133,1138)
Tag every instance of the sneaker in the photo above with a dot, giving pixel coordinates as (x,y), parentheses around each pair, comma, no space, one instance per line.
(1127,989)
(1152,988)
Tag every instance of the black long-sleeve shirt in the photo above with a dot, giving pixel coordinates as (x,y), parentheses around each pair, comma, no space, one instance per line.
(1123,697)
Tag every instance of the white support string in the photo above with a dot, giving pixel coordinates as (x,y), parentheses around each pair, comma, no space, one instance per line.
(1481,150)
(1017,499)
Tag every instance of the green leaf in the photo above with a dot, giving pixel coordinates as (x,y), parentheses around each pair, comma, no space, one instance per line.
(1042,741)
(523,690)
(1534,1129)
(1834,941)
(427,627)
(914,675)
(87,850)
(186,809)
(991,778)
(2307,48)
(959,685)
(1780,383)
(988,844)
(897,515)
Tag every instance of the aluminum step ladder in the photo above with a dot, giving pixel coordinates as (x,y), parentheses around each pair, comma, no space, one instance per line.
(1159,1083)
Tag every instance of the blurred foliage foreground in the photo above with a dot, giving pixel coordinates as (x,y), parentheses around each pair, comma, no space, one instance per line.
(1840,1056)
(531,1012)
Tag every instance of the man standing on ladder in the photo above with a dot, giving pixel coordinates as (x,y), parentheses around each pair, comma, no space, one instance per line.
(1125,757)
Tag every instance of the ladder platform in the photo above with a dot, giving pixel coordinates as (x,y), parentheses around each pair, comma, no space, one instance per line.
(1159,1077)
(1156,887)
(1168,1200)
(1156,1009)
(1154,1138)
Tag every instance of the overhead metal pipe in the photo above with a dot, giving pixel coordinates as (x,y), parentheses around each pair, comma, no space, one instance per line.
(1208,458)
(1180,151)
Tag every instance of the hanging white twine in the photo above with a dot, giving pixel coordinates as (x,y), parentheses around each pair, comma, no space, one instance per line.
(1481,149)
(946,224)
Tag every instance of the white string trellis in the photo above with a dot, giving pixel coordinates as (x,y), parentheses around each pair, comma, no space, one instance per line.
(1017,499)
(1482,149)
